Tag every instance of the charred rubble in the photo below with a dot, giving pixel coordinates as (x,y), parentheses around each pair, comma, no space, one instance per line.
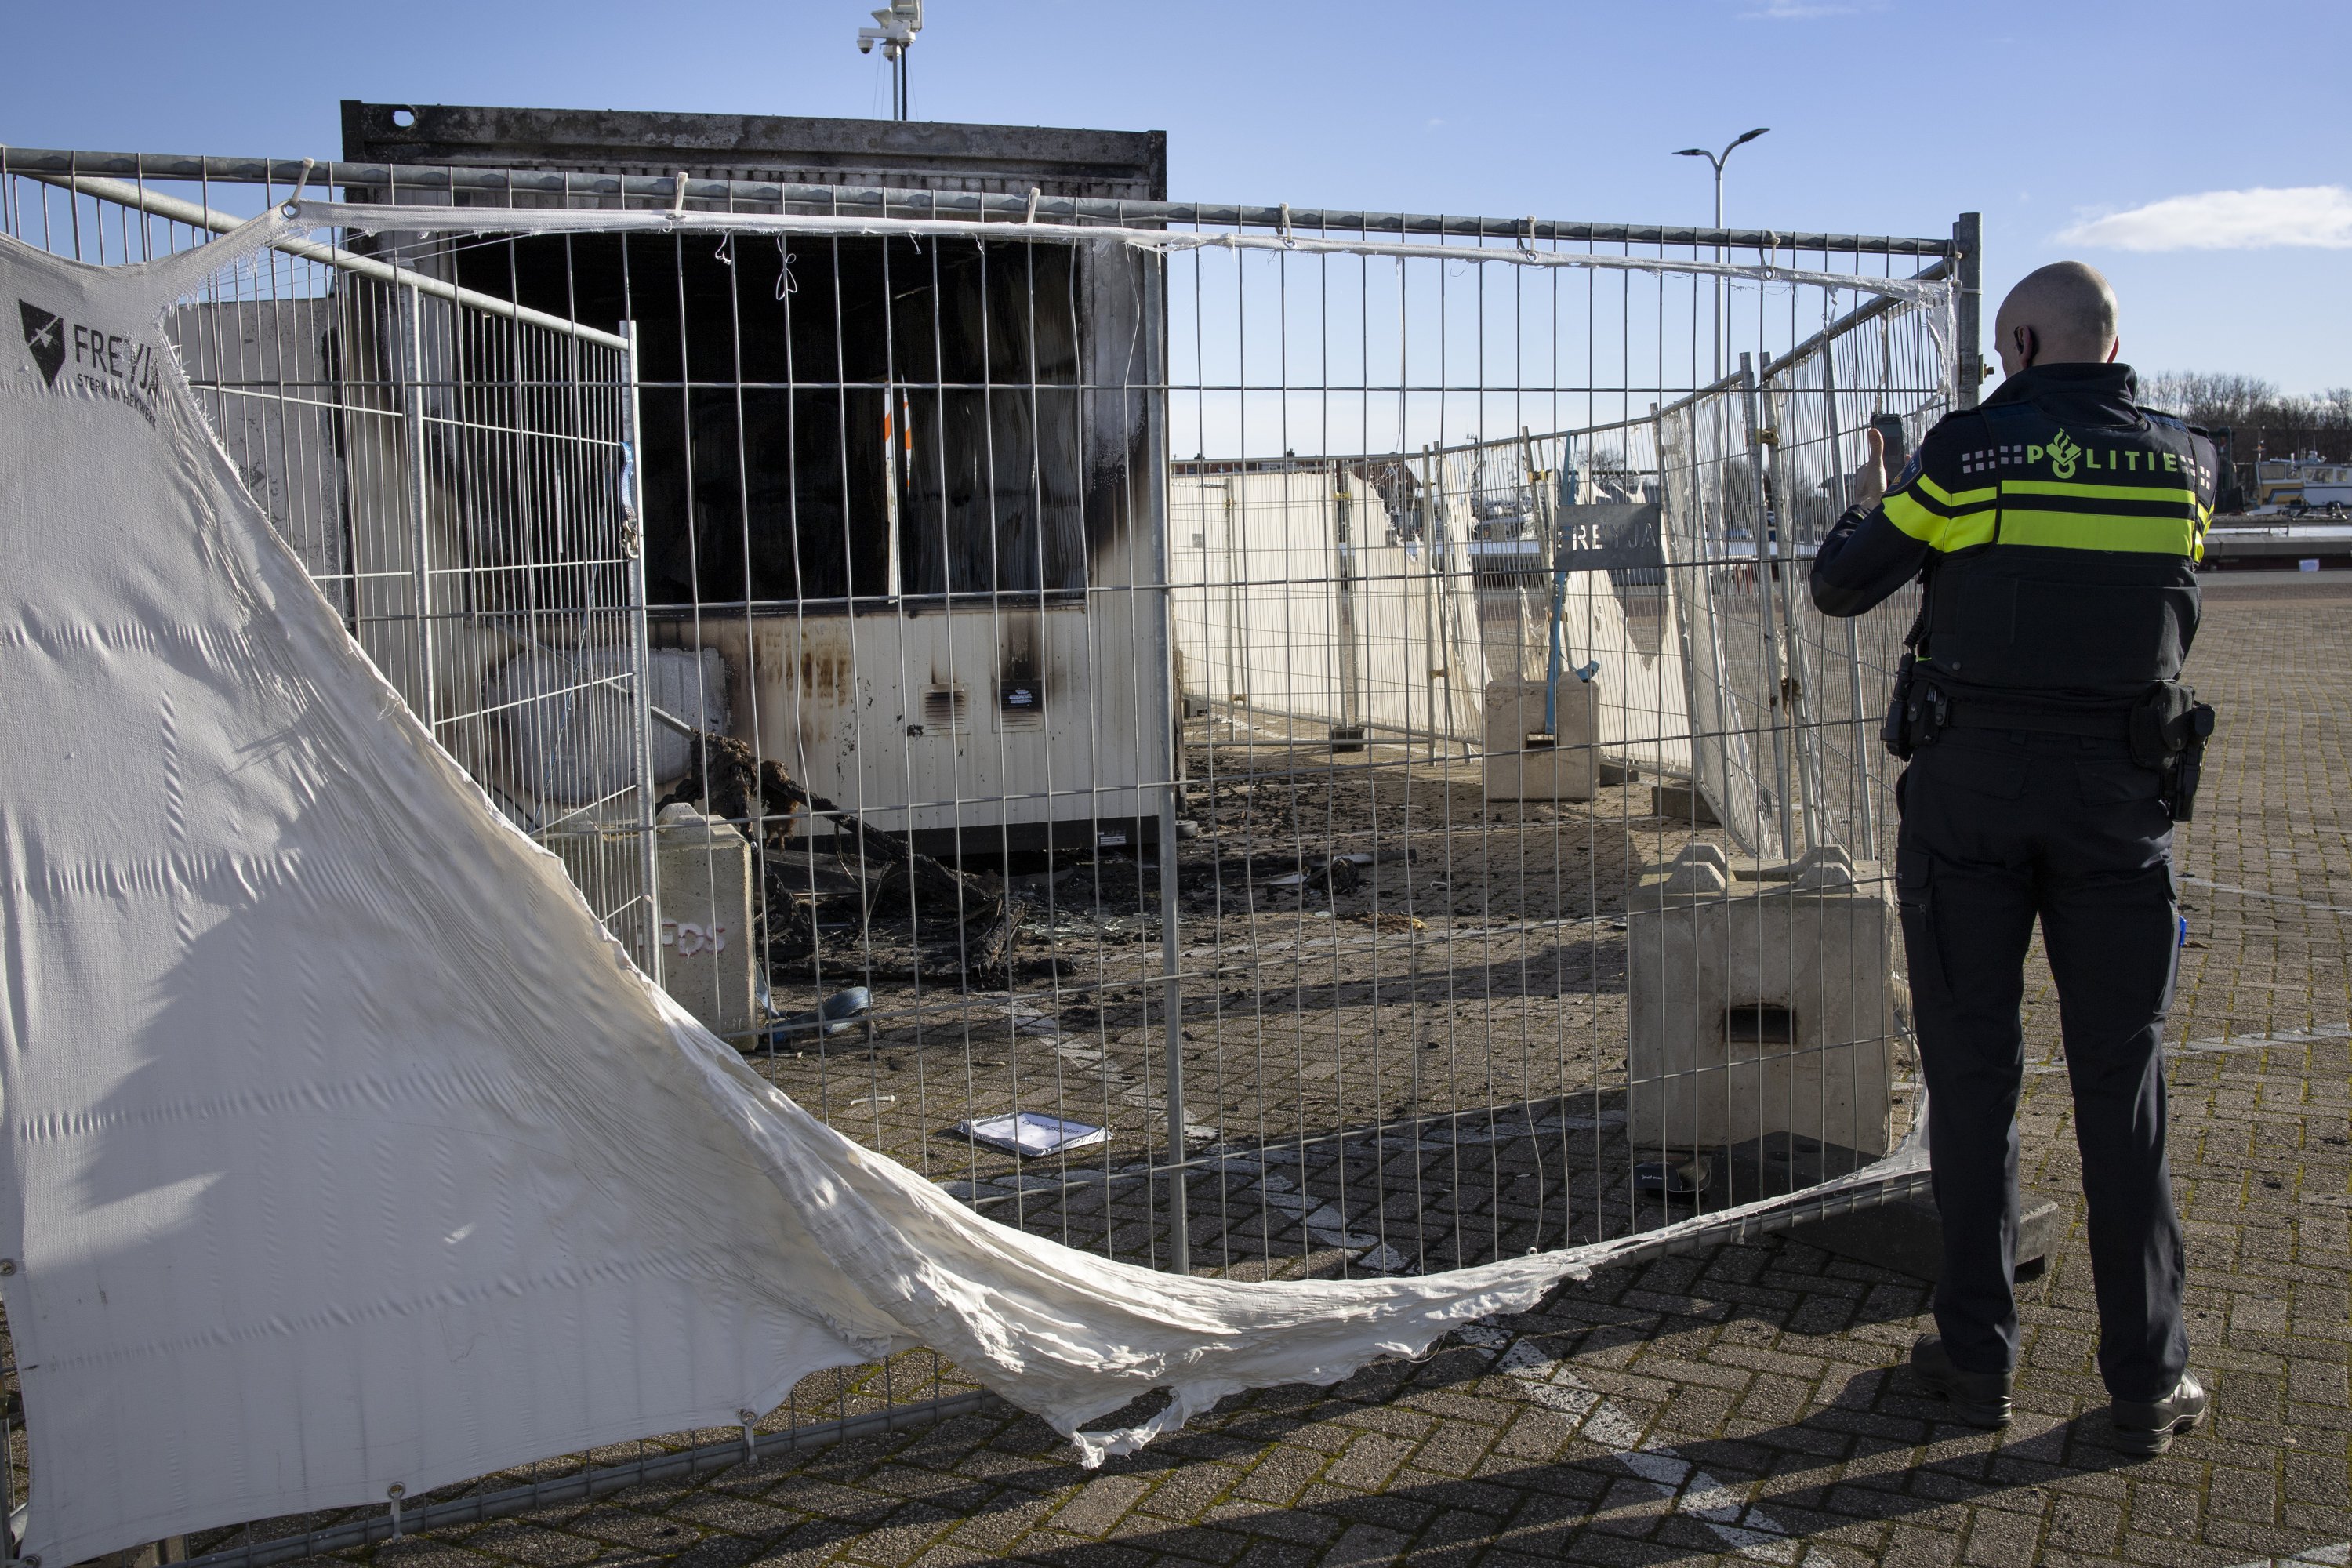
(872,905)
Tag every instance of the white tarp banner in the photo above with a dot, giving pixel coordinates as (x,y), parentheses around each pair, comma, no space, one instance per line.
(344,1149)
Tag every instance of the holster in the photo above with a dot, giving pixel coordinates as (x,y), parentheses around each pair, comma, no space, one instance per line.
(1918,712)
(1896,731)
(2169,731)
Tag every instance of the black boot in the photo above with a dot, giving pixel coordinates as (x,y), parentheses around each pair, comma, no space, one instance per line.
(1978,1398)
(2149,1428)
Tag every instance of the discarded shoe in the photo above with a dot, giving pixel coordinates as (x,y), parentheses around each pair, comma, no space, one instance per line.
(2150,1428)
(1978,1398)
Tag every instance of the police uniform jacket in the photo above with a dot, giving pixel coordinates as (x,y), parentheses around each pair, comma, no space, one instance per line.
(2057,529)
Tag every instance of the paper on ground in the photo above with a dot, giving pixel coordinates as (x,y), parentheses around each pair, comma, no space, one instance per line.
(1033,1133)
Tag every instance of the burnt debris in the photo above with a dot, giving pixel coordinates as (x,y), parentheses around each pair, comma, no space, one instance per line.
(873,903)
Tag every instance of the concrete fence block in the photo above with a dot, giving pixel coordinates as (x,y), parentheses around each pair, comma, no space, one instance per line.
(1762,1002)
(1526,762)
(703,870)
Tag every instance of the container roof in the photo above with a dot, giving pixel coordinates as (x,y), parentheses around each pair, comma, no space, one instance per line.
(920,154)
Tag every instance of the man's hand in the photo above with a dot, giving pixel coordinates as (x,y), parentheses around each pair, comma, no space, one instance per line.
(1869,487)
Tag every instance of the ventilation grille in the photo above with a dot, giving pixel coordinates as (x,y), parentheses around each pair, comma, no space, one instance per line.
(1020,705)
(947,710)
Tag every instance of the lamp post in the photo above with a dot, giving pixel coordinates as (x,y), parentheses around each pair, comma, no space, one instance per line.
(1719,160)
(899,21)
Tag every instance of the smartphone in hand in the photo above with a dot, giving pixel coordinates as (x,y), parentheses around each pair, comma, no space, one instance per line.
(1896,454)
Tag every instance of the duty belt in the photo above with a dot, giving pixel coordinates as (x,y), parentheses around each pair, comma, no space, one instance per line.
(1923,709)
(2165,729)
(1980,713)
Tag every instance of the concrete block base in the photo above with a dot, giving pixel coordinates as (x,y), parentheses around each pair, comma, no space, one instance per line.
(703,867)
(1679,800)
(1762,1003)
(1526,762)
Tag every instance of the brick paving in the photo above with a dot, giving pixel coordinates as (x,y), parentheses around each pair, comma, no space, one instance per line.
(1745,1403)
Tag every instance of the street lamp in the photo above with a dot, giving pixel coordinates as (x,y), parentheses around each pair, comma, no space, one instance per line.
(1719,160)
(900,21)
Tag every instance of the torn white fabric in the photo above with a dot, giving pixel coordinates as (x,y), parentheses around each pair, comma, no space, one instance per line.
(345,1152)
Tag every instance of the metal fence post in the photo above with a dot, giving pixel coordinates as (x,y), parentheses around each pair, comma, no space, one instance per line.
(1169,729)
(1768,567)
(1968,307)
(1865,819)
(1343,571)
(1179,1234)
(412,400)
(1797,685)
(633,545)
(1420,581)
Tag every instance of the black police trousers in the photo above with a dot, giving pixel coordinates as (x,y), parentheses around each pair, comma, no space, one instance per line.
(1999,828)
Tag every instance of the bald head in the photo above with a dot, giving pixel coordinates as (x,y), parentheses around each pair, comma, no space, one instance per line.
(2063,313)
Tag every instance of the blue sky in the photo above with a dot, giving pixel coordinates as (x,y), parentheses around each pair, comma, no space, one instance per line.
(2197,153)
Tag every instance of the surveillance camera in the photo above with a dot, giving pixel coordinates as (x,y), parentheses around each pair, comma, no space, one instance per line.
(864,45)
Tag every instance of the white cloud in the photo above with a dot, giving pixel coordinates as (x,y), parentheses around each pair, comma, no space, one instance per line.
(1796,11)
(2227,220)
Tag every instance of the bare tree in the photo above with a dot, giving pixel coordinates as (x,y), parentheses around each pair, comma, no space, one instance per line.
(2260,417)
(2206,397)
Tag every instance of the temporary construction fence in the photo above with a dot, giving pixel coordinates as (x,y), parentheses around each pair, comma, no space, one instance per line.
(1642,547)
(453,472)
(1300,746)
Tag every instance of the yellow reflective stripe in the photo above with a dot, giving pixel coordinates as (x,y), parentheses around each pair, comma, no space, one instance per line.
(1933,529)
(1951,499)
(1962,533)
(2098,492)
(2084,531)
(1911,517)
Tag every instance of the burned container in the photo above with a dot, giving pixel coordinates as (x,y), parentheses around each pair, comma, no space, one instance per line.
(907,489)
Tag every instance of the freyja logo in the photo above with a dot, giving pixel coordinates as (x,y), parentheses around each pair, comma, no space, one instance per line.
(105,365)
(44,334)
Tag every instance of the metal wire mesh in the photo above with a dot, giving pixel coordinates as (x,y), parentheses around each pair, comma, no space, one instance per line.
(1331,746)
(1386,646)
(456,481)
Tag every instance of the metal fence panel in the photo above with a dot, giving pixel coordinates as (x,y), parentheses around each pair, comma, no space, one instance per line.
(1332,734)
(457,483)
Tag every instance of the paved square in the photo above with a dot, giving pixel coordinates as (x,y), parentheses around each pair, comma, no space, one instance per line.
(1743,1401)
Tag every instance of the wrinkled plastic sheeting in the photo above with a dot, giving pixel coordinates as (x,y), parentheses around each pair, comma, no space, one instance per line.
(345,1151)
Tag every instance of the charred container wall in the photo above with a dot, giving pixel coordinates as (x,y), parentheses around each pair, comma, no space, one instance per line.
(908,489)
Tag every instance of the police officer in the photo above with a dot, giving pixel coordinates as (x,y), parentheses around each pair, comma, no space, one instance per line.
(2056,529)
